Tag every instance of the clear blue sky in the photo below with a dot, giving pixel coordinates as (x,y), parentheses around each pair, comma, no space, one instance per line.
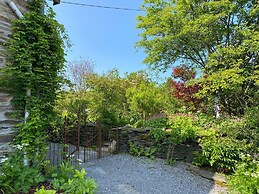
(105,36)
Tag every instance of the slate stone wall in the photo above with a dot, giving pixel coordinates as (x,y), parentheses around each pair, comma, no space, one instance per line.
(6,123)
(125,135)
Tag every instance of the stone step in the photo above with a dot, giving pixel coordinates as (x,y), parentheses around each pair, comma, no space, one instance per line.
(218,179)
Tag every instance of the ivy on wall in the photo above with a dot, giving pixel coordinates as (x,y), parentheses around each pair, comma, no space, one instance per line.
(35,61)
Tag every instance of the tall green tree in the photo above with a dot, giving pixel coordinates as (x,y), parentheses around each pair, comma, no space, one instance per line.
(219,37)
(146,98)
(106,95)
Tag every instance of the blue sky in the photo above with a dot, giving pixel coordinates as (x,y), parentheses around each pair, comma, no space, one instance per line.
(105,36)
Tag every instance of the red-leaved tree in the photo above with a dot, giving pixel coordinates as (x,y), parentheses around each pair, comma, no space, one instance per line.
(180,89)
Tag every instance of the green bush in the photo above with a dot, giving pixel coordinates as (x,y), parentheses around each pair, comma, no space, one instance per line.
(182,128)
(79,184)
(158,134)
(61,175)
(73,181)
(157,123)
(222,153)
(245,180)
(136,150)
(17,177)
(251,128)
(43,191)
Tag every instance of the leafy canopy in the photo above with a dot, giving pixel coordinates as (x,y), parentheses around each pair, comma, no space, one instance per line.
(35,61)
(219,37)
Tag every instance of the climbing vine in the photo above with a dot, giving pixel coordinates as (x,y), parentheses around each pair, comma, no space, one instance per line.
(35,61)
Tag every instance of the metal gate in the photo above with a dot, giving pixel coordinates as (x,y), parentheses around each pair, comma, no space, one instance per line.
(77,143)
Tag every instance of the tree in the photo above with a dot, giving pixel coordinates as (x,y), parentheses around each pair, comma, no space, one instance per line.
(76,72)
(146,98)
(106,95)
(180,88)
(220,37)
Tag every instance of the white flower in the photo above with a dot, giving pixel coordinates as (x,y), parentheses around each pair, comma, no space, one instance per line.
(79,160)
(19,147)
(3,160)
(246,174)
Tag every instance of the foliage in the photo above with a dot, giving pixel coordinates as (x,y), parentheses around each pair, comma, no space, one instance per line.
(199,159)
(158,134)
(43,191)
(71,180)
(32,135)
(245,180)
(182,129)
(160,122)
(222,153)
(16,177)
(34,63)
(136,150)
(35,58)
(106,95)
(220,37)
(180,88)
(71,106)
(112,100)
(79,184)
(63,173)
(251,128)
(223,140)
(145,99)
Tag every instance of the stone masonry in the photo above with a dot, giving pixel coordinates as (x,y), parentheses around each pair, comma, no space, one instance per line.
(6,124)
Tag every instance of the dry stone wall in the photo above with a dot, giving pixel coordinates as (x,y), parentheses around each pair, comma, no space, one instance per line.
(6,123)
(141,138)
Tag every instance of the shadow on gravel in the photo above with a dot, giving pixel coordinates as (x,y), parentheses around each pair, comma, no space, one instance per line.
(125,174)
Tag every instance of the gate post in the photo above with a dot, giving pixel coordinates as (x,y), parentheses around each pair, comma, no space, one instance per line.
(99,141)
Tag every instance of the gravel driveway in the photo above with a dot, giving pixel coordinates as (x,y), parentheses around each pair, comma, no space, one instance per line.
(125,174)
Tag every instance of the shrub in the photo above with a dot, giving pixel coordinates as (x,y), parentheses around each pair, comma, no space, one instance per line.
(157,134)
(245,180)
(61,175)
(222,153)
(182,129)
(79,184)
(43,191)
(73,181)
(136,150)
(157,123)
(16,177)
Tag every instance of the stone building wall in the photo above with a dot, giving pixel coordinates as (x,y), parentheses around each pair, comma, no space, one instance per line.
(6,124)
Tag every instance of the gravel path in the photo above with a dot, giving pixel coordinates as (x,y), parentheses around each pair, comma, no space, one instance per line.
(125,174)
